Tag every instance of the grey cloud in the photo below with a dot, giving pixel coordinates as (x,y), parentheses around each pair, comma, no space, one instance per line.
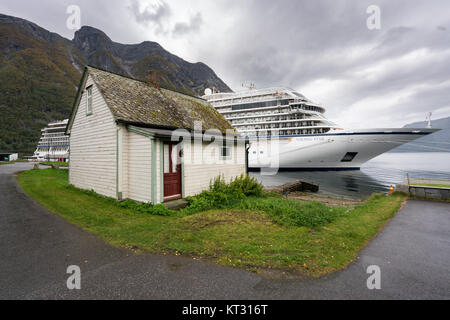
(297,42)
(416,106)
(156,14)
(183,28)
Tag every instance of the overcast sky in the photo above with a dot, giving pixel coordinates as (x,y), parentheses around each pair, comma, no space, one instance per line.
(323,49)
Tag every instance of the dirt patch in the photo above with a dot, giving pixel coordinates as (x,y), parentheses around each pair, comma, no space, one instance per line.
(205,223)
(304,196)
(211,219)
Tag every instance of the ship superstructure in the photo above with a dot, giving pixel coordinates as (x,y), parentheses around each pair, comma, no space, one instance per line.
(261,112)
(53,144)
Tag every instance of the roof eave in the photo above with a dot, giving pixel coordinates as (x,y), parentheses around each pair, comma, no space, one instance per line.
(76,102)
(153,126)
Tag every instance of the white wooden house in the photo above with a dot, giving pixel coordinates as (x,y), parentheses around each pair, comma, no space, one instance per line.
(122,141)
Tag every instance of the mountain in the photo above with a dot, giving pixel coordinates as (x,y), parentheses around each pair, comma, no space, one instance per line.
(38,81)
(40,72)
(436,142)
(137,59)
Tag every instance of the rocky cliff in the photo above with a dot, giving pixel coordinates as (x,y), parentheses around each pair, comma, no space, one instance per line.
(40,72)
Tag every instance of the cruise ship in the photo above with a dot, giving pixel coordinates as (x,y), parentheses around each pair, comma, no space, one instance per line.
(287,130)
(53,144)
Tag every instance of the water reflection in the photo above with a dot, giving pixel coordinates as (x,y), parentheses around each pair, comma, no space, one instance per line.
(375,176)
(347,184)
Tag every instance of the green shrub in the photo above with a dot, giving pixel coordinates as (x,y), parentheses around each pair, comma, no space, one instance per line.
(223,195)
(243,185)
(247,185)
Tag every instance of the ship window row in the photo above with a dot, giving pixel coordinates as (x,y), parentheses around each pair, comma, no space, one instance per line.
(279,126)
(281,108)
(280,112)
(283,125)
(262,104)
(306,121)
(306,107)
(273,119)
(55,138)
(54,135)
(243,100)
(53,142)
(257,113)
(287,132)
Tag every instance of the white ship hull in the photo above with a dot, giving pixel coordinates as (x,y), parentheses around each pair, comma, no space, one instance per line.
(307,140)
(332,151)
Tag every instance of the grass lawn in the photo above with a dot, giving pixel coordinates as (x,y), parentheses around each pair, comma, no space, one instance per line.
(59,163)
(249,235)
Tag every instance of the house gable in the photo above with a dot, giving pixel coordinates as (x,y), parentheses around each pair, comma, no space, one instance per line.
(93,143)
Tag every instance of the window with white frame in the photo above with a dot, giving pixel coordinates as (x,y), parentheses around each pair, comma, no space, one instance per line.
(89,100)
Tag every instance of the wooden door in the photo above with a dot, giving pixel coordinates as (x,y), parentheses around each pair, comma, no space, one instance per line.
(172,171)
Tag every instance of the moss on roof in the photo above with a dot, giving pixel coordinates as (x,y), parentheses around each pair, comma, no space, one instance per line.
(135,101)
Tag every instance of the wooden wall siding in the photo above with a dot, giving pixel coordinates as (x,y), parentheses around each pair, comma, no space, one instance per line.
(139,167)
(93,147)
(198,176)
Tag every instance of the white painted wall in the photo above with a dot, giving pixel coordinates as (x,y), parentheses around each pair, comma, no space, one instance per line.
(197,177)
(122,140)
(93,147)
(139,167)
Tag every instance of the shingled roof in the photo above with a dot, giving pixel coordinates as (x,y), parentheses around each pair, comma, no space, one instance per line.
(135,102)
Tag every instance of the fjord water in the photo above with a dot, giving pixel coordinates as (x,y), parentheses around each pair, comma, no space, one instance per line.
(375,176)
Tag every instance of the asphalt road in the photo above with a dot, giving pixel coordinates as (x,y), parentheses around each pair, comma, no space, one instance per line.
(36,247)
